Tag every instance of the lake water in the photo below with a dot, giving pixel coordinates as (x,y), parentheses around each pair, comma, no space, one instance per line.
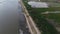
(9,17)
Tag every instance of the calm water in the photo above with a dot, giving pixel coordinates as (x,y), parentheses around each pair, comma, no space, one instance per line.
(9,16)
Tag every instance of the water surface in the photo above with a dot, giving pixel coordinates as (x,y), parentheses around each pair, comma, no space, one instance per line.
(9,16)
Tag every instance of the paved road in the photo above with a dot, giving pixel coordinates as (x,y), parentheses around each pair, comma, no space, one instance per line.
(11,17)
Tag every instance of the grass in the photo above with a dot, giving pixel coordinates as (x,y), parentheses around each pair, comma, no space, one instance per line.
(40,20)
(43,24)
(56,17)
(47,9)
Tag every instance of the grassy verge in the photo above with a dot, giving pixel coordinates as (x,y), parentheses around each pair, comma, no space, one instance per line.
(40,19)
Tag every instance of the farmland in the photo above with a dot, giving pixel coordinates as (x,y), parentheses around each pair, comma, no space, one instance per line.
(40,20)
(54,16)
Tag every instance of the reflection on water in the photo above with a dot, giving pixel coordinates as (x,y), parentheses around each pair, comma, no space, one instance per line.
(8,16)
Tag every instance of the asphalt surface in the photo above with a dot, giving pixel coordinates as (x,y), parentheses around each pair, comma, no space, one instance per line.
(12,20)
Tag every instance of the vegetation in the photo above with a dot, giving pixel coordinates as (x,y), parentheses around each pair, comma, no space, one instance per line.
(47,9)
(26,4)
(55,16)
(40,20)
(42,23)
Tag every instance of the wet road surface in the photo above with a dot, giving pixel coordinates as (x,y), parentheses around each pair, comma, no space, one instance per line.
(12,18)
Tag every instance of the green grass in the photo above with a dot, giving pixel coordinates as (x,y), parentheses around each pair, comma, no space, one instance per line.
(47,9)
(56,17)
(43,24)
(40,20)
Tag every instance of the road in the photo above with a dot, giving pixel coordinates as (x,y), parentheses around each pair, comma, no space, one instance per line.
(12,20)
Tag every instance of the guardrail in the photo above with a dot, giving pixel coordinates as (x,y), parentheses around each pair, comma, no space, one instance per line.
(31,25)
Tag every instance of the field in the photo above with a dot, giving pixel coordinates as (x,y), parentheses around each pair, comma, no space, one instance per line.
(40,20)
(54,16)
